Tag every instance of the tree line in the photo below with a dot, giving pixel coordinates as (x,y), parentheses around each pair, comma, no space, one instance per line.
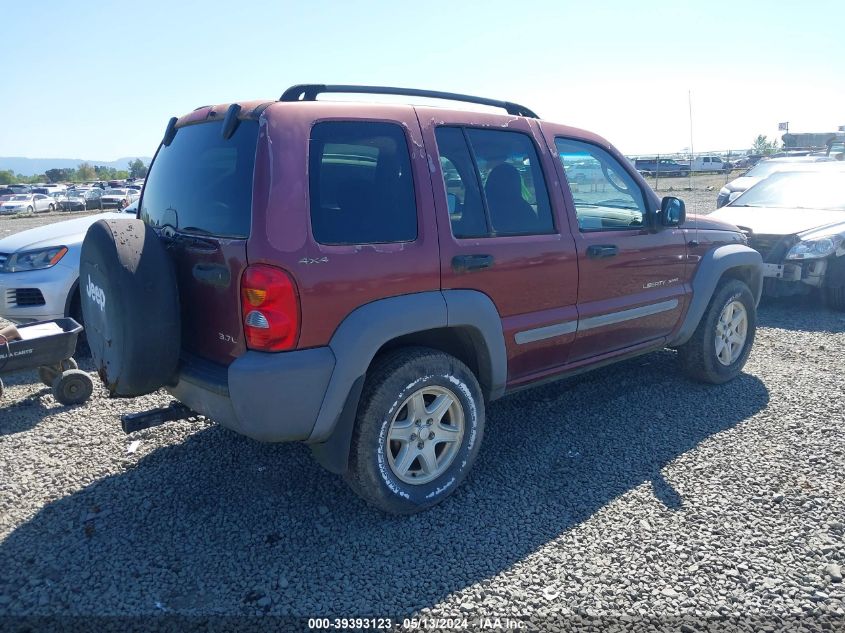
(84,172)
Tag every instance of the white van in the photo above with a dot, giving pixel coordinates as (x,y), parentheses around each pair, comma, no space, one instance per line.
(708,163)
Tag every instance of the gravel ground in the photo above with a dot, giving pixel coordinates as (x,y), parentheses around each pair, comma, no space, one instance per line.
(14,224)
(625,493)
(626,498)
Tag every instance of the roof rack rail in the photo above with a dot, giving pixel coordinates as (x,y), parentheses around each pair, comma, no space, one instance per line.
(309,92)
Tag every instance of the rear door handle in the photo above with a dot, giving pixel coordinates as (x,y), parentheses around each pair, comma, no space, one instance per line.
(468,263)
(600,251)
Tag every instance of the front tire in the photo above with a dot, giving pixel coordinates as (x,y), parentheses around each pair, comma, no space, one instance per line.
(418,431)
(834,297)
(834,288)
(718,349)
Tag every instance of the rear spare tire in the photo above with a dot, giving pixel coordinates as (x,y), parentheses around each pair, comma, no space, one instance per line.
(130,305)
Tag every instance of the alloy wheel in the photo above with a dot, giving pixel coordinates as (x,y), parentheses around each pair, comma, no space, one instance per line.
(731,332)
(425,435)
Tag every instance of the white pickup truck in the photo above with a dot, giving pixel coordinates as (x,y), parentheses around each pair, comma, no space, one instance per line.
(708,163)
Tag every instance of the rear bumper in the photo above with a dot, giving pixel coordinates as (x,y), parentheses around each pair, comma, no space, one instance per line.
(268,397)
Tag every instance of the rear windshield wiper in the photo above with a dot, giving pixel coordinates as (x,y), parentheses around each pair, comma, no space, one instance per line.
(172,236)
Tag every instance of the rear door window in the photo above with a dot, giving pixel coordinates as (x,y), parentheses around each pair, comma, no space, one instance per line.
(202,183)
(494,183)
(361,185)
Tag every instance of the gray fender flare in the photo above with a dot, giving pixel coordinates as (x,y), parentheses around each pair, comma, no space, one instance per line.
(711,269)
(366,329)
(475,312)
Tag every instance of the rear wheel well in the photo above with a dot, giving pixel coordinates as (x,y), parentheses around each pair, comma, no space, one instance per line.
(463,343)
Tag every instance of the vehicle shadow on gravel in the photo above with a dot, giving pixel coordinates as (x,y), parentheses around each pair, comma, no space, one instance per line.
(22,414)
(219,524)
(806,314)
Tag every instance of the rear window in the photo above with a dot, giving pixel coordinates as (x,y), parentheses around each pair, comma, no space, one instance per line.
(202,183)
(361,186)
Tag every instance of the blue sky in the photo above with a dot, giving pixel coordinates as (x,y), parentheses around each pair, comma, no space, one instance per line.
(99,80)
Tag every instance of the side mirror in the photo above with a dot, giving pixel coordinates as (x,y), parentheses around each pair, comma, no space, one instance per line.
(734,195)
(452,202)
(673,211)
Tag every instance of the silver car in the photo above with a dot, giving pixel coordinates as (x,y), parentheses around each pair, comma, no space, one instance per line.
(760,171)
(119,198)
(27,203)
(796,221)
(39,270)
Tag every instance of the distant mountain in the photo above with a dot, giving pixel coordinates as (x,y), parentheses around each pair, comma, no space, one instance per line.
(32,166)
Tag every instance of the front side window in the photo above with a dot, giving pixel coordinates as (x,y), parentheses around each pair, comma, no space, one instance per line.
(494,183)
(611,200)
(361,185)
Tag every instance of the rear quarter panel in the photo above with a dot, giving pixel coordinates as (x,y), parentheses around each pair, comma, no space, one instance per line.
(333,280)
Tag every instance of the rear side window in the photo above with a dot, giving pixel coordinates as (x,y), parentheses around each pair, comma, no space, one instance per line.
(361,186)
(202,183)
(463,193)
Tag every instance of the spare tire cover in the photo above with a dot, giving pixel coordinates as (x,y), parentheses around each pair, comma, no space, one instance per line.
(130,304)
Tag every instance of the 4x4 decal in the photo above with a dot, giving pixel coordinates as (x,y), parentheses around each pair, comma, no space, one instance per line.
(311,260)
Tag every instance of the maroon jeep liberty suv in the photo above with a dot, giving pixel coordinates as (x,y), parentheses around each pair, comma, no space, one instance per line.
(368,277)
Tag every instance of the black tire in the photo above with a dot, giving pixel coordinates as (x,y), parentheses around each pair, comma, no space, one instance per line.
(834,288)
(48,375)
(75,312)
(391,380)
(698,355)
(51,208)
(130,305)
(834,297)
(29,210)
(73,387)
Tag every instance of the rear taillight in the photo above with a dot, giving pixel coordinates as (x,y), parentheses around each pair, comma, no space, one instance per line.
(270,308)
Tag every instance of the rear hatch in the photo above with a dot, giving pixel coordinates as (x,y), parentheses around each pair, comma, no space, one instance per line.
(198,197)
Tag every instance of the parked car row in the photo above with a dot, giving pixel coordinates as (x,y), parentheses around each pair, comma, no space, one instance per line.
(90,191)
(680,167)
(77,199)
